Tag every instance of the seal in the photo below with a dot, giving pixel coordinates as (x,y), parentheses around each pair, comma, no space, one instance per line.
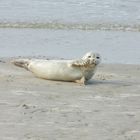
(77,70)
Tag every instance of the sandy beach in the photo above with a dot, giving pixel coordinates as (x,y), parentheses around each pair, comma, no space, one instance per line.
(108,108)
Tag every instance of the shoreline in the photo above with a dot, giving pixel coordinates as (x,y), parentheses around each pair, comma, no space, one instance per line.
(8,59)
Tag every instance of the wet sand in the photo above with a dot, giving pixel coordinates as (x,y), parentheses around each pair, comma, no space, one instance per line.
(108,108)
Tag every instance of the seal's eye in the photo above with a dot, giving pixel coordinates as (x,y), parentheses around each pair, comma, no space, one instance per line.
(98,57)
(89,56)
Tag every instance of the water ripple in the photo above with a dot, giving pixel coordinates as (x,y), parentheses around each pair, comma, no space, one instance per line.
(72,26)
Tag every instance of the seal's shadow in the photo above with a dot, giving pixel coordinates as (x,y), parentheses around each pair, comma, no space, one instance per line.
(109,82)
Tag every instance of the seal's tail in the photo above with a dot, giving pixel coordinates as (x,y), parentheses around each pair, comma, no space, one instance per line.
(24,63)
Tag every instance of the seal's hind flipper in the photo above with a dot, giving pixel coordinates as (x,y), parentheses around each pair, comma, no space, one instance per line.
(21,63)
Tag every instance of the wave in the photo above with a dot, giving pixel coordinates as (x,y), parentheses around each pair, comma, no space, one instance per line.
(70,26)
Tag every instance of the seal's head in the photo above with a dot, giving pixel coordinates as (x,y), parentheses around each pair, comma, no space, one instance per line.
(92,58)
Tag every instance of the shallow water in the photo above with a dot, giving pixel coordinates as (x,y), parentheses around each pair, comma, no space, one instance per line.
(114,47)
(89,14)
(70,10)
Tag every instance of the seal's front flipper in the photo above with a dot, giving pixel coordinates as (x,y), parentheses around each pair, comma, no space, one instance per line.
(81,81)
(77,63)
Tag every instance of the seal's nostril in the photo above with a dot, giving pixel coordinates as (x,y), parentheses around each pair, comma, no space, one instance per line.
(97,57)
